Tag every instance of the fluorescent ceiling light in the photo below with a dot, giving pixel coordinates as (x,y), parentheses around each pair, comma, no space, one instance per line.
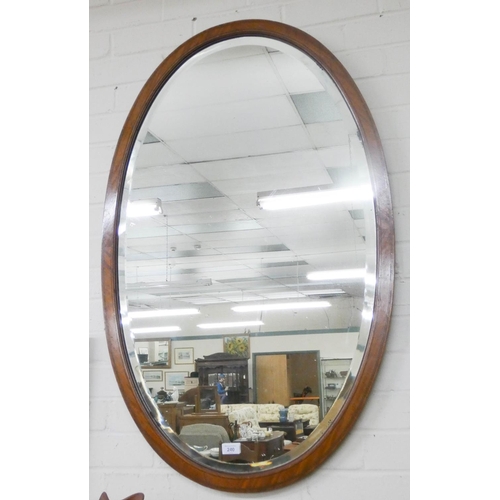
(283,306)
(338,274)
(156,329)
(161,313)
(326,291)
(319,195)
(230,324)
(144,208)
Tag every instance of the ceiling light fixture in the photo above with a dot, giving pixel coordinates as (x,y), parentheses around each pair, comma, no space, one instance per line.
(338,274)
(318,195)
(144,208)
(230,324)
(282,306)
(156,329)
(161,313)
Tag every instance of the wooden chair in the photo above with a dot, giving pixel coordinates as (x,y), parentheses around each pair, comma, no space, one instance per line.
(208,435)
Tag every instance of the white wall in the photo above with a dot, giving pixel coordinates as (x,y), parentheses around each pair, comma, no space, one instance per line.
(371,38)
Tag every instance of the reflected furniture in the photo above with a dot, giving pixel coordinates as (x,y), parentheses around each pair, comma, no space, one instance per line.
(255,451)
(235,370)
(209,435)
(301,399)
(294,431)
(334,372)
(205,418)
(269,412)
(206,399)
(171,410)
(304,412)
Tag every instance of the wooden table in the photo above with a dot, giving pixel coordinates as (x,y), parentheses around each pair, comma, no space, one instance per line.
(294,431)
(253,451)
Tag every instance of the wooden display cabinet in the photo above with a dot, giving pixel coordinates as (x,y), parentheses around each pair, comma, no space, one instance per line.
(235,370)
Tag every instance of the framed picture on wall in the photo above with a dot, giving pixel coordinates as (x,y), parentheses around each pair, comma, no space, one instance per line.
(174,379)
(184,356)
(237,344)
(153,375)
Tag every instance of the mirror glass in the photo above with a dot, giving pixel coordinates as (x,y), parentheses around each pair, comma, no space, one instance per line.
(247,238)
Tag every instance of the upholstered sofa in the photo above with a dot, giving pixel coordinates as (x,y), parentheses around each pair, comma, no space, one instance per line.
(261,412)
(270,412)
(304,412)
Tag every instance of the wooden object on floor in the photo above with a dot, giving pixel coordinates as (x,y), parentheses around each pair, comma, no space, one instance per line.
(134,496)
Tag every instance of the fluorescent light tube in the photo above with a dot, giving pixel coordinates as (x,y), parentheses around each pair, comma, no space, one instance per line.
(283,306)
(156,329)
(338,274)
(326,291)
(161,313)
(230,324)
(312,197)
(144,208)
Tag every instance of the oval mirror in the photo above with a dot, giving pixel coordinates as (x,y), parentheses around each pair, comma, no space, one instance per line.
(248,240)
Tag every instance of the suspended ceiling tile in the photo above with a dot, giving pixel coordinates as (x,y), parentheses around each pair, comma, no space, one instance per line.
(270,182)
(298,217)
(325,135)
(252,143)
(218,227)
(149,232)
(227,118)
(228,81)
(255,166)
(176,192)
(218,238)
(284,295)
(151,155)
(196,206)
(316,107)
(296,77)
(208,217)
(253,241)
(335,156)
(253,249)
(166,175)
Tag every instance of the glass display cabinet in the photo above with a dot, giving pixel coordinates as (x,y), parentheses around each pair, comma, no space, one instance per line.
(334,372)
(235,371)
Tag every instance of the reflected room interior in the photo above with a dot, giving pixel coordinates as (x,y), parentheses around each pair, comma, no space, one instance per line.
(247,251)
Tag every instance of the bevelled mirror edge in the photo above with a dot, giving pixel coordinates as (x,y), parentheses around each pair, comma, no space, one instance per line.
(336,427)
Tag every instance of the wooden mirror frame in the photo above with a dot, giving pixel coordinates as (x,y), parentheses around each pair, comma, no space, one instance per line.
(332,430)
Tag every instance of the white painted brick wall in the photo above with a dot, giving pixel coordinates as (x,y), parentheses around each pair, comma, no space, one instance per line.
(128,39)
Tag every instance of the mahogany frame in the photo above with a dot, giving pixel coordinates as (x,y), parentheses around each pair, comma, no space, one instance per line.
(330,432)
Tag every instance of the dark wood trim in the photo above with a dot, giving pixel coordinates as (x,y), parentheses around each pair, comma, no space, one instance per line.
(307,457)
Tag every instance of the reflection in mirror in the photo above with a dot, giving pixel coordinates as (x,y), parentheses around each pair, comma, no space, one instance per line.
(247,236)
(153,353)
